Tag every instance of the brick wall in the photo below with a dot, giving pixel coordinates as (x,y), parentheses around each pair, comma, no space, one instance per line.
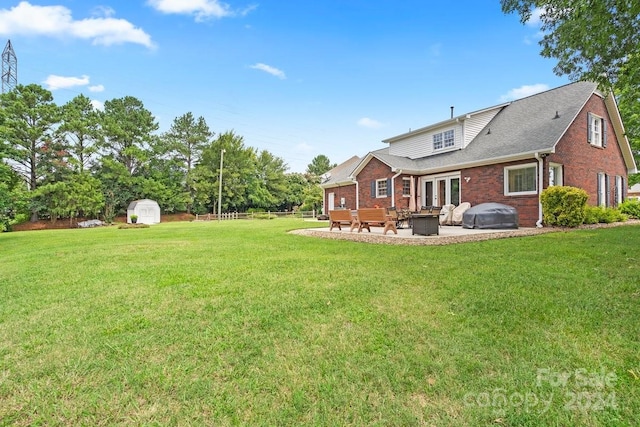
(581,164)
(486,184)
(373,171)
(346,191)
(582,161)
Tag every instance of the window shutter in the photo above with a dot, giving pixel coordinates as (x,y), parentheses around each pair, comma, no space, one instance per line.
(389,189)
(607,191)
(623,189)
(589,128)
(604,133)
(373,188)
(616,191)
(599,189)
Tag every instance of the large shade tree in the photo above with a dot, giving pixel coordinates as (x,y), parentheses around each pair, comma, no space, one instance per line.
(593,40)
(238,168)
(268,185)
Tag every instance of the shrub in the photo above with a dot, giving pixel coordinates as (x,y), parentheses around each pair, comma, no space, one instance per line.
(263,215)
(563,206)
(630,208)
(599,214)
(592,214)
(127,226)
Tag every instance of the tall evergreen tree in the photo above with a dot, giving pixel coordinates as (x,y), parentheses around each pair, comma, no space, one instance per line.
(183,144)
(27,119)
(128,130)
(80,130)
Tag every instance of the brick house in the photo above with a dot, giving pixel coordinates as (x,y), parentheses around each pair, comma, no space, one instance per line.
(572,135)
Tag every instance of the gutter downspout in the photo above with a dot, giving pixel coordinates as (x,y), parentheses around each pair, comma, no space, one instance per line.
(393,187)
(540,183)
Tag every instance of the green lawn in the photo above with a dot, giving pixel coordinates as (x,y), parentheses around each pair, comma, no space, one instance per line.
(240,323)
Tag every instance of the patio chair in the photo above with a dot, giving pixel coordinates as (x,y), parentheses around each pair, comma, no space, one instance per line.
(446,214)
(456,216)
(392,212)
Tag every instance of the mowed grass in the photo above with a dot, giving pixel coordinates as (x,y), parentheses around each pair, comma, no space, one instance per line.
(241,323)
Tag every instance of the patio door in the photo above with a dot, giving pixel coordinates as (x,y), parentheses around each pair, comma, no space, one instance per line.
(441,190)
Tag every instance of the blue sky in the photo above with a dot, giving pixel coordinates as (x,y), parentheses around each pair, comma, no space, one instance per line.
(296,78)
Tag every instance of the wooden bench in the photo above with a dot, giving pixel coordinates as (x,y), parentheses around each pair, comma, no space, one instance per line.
(375,217)
(340,217)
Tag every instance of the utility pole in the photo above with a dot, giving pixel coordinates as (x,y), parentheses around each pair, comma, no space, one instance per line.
(220,184)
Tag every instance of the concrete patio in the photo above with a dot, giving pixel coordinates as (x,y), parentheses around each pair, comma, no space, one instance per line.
(448,234)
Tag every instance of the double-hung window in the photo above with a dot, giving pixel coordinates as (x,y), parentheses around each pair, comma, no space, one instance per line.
(381,188)
(555,174)
(596,130)
(437,141)
(603,189)
(619,189)
(520,180)
(449,139)
(406,187)
(444,139)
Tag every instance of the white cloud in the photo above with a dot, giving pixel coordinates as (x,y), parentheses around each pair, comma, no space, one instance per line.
(56,21)
(201,9)
(269,69)
(524,91)
(54,82)
(96,88)
(103,11)
(535,19)
(98,105)
(366,122)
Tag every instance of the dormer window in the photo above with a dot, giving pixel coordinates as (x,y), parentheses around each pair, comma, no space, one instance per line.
(444,140)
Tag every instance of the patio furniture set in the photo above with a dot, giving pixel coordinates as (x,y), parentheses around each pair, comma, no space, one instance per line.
(424,222)
(428,219)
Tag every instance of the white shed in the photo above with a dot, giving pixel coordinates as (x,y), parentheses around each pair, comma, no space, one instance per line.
(148,211)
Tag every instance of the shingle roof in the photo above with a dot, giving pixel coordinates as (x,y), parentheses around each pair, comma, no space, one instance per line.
(526,125)
(341,173)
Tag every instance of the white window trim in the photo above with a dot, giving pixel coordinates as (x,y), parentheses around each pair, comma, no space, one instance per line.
(559,179)
(434,178)
(443,140)
(619,190)
(453,140)
(507,169)
(596,142)
(602,189)
(378,181)
(440,142)
(403,181)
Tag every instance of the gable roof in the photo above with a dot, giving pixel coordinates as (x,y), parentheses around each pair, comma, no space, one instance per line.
(526,126)
(341,174)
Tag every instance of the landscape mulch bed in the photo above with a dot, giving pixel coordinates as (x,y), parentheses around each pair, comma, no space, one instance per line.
(65,223)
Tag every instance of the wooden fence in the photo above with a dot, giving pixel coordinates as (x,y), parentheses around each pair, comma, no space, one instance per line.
(225,216)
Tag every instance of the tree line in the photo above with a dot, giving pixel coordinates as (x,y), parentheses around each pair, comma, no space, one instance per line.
(74,161)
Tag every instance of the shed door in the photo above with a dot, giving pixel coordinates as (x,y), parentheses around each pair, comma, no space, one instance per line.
(146,214)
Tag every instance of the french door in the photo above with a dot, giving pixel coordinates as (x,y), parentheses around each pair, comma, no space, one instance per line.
(441,190)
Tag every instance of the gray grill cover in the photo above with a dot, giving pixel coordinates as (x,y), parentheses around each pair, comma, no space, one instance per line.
(490,215)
